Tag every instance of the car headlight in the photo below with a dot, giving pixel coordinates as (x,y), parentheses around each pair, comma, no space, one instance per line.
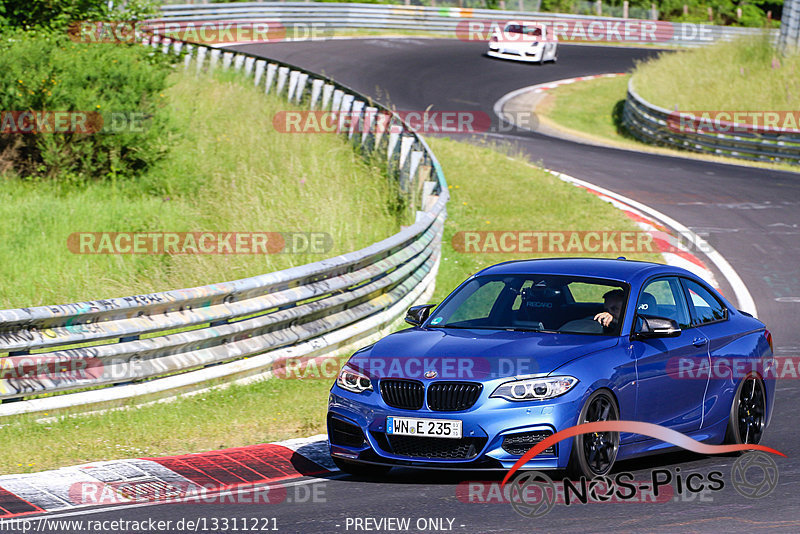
(529,389)
(352,380)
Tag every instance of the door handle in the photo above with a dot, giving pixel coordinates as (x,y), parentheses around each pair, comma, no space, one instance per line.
(699,341)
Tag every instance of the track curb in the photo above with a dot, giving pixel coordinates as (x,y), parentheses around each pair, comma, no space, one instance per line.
(253,474)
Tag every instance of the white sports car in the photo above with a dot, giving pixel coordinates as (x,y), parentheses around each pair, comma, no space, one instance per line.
(524,41)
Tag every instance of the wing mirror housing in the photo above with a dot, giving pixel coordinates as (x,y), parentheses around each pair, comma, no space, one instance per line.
(417,315)
(650,326)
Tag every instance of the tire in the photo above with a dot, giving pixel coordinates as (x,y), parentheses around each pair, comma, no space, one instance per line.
(594,454)
(361,470)
(748,415)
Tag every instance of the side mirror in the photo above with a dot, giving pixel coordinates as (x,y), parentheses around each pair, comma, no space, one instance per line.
(649,326)
(417,315)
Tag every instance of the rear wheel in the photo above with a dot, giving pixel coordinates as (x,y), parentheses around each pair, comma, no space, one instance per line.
(594,454)
(362,470)
(748,415)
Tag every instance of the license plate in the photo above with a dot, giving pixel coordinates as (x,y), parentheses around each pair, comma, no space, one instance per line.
(432,428)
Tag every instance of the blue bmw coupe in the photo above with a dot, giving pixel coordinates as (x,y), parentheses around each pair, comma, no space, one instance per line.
(524,349)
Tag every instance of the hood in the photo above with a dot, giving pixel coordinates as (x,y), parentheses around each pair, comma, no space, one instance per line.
(473,354)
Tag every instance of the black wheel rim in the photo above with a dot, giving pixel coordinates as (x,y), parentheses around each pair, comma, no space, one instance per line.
(751,411)
(600,448)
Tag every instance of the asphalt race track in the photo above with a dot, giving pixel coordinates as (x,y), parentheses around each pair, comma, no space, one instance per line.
(751,216)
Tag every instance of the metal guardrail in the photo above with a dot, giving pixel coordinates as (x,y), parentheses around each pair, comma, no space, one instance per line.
(442,20)
(175,341)
(656,125)
(790,26)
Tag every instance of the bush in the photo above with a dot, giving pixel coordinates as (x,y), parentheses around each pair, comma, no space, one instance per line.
(58,14)
(45,72)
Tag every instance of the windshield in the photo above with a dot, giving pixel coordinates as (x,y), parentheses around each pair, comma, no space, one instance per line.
(536,31)
(541,303)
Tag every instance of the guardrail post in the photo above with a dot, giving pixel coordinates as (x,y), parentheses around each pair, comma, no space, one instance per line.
(406,142)
(272,68)
(227,58)
(337,100)
(383,124)
(293,75)
(202,51)
(367,136)
(283,73)
(394,137)
(414,183)
(187,59)
(260,64)
(302,79)
(405,147)
(344,111)
(215,53)
(248,65)
(316,91)
(238,62)
(355,118)
(327,92)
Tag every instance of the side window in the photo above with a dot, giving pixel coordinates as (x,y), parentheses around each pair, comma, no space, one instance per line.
(705,307)
(663,297)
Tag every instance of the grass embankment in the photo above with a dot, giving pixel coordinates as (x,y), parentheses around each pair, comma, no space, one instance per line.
(227,171)
(490,191)
(743,75)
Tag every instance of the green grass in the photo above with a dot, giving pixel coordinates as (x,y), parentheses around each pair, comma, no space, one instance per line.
(228,171)
(745,74)
(592,106)
(490,191)
(592,110)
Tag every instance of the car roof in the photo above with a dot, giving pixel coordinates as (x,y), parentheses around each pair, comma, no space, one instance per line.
(616,269)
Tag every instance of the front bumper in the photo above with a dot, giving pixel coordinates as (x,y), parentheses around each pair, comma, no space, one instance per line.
(518,54)
(485,426)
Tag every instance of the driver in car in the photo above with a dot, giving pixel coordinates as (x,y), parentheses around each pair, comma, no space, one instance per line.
(612,302)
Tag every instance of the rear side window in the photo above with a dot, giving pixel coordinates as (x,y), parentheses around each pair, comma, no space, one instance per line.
(703,305)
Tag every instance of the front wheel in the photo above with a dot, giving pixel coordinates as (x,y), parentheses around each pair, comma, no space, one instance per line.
(361,470)
(748,416)
(594,454)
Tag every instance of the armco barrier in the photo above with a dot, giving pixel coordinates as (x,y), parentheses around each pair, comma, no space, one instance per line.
(656,125)
(242,328)
(443,20)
